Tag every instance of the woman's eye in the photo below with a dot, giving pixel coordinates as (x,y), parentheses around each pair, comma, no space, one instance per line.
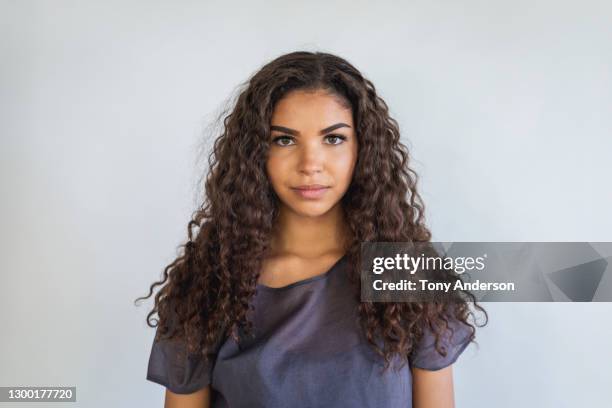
(335,139)
(276,140)
(287,140)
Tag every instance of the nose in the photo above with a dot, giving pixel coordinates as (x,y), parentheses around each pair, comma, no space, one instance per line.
(311,159)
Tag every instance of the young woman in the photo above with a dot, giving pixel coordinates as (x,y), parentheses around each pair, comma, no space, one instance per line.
(262,309)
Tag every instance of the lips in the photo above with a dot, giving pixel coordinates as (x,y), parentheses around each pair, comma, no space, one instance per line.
(311,191)
(311,187)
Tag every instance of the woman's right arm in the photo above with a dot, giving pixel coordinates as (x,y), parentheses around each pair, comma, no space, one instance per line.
(198,399)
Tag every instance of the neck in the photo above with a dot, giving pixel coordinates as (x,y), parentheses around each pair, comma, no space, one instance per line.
(310,237)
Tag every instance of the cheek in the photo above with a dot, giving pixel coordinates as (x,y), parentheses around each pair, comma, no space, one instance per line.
(275,167)
(343,165)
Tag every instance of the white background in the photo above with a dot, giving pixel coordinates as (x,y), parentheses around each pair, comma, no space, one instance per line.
(506,106)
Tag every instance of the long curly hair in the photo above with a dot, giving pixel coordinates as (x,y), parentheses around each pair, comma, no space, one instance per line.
(206,292)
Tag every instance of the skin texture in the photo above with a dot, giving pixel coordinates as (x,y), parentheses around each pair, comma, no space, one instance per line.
(309,236)
(198,399)
(433,389)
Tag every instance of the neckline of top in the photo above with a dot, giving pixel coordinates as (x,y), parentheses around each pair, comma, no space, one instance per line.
(304,281)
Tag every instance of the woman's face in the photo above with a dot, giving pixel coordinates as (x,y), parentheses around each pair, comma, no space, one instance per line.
(312,142)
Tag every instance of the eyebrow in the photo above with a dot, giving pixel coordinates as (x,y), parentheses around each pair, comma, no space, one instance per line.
(295,132)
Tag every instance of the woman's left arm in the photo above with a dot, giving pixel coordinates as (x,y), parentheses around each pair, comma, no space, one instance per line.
(432,389)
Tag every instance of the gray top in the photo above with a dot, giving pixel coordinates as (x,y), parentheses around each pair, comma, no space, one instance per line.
(308,351)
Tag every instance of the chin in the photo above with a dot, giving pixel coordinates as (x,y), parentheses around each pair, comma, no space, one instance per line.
(312,209)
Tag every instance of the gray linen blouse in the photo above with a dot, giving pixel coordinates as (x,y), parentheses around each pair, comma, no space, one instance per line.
(308,351)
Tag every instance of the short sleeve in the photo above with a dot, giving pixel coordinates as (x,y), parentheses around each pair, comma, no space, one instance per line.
(426,356)
(170,366)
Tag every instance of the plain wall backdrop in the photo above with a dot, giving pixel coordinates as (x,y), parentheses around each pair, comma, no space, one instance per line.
(505,105)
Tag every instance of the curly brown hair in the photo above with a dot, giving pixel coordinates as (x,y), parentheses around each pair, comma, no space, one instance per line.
(207,291)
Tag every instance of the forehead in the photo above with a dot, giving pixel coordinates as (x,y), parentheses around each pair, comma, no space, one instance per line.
(310,108)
